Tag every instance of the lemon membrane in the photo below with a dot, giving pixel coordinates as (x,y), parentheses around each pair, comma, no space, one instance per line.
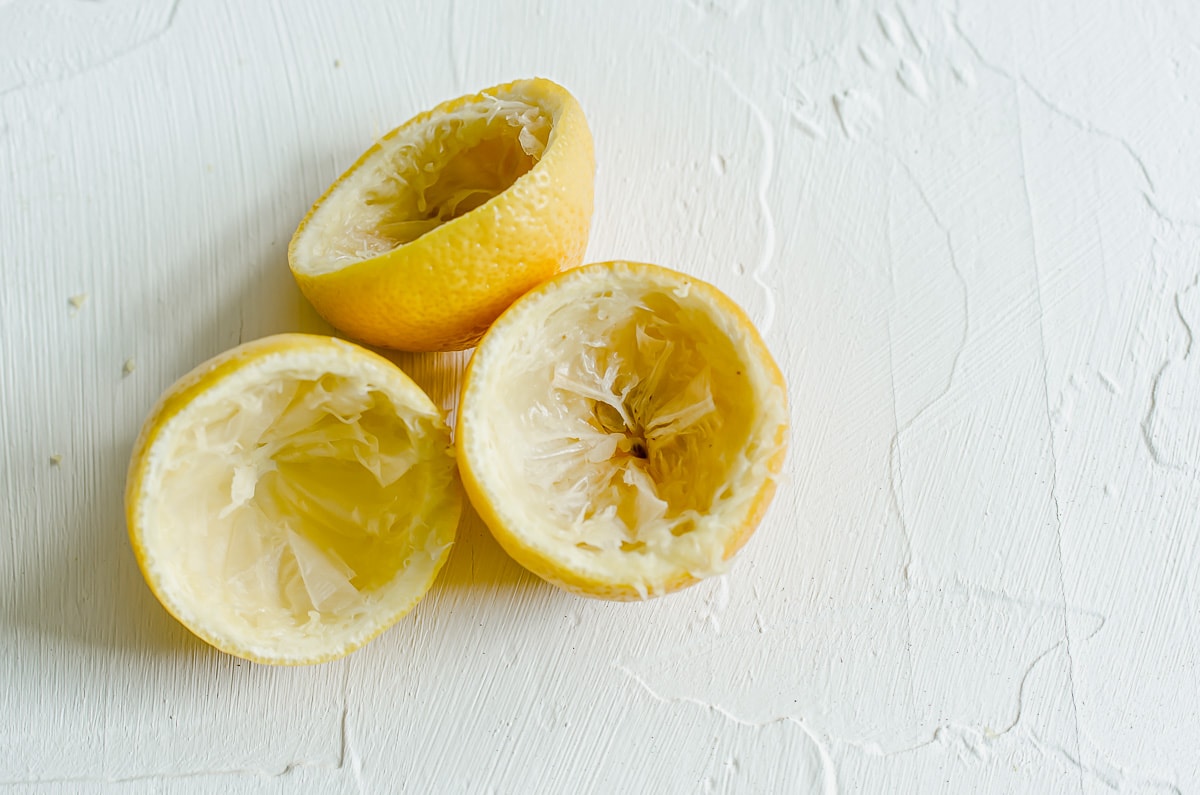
(289,501)
(647,429)
(437,170)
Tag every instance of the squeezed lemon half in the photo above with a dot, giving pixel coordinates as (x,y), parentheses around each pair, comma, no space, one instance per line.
(445,221)
(292,498)
(621,430)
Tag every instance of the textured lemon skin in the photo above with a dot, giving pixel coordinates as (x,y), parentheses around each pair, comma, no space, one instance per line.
(178,397)
(441,291)
(540,560)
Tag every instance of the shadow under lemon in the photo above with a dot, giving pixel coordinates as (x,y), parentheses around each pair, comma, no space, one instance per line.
(476,561)
(89,590)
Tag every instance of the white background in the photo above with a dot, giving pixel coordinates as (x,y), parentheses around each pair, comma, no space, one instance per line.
(971,236)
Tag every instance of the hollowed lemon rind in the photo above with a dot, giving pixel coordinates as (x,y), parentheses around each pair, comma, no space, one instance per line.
(441,289)
(515,390)
(173,536)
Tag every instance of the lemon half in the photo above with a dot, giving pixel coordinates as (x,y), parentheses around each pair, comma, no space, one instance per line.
(621,429)
(292,498)
(445,221)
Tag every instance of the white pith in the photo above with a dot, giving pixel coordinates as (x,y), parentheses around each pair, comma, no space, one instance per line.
(424,176)
(299,504)
(623,426)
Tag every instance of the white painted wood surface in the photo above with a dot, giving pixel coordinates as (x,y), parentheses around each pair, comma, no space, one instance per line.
(971,235)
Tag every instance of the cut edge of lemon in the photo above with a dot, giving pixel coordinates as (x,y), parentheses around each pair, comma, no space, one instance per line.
(237,499)
(648,403)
